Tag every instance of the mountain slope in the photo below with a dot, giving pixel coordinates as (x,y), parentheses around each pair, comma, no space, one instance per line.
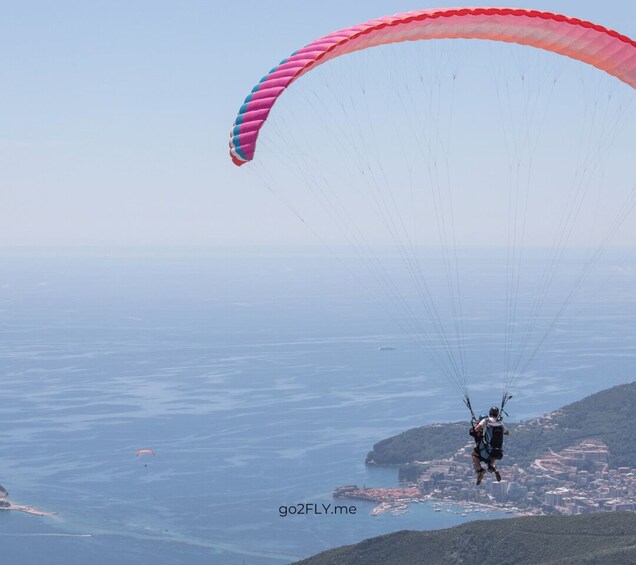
(606,416)
(600,538)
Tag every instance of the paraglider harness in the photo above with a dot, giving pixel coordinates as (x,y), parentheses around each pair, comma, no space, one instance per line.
(489,444)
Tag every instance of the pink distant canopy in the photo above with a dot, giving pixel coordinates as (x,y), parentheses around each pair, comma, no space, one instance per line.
(590,43)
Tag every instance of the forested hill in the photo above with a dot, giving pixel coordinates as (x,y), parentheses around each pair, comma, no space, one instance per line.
(607,416)
(600,538)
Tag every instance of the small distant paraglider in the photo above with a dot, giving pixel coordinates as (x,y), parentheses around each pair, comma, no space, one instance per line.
(145,453)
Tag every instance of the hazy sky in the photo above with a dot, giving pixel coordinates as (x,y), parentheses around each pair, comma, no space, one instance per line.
(114,115)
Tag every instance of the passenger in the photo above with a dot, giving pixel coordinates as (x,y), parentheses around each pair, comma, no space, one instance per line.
(488,434)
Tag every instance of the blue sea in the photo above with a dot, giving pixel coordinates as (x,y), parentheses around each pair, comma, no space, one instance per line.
(256,378)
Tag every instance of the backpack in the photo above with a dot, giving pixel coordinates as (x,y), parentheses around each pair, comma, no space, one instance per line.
(493,439)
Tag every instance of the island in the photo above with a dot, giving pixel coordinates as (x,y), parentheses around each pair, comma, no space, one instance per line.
(576,460)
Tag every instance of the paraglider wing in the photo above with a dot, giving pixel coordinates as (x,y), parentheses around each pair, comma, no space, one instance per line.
(145,451)
(587,42)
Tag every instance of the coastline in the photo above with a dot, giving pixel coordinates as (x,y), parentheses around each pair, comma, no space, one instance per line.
(27,510)
(400,505)
(6,505)
(396,500)
(470,507)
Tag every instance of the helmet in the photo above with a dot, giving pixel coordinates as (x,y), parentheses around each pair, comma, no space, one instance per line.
(494,412)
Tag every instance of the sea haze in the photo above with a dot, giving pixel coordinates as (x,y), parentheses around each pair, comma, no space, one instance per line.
(257,379)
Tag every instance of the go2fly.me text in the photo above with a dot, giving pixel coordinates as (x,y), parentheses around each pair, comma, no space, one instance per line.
(314,509)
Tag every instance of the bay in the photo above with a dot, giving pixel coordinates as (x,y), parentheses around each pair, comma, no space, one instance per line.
(257,379)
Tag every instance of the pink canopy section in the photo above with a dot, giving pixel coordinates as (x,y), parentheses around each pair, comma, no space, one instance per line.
(590,43)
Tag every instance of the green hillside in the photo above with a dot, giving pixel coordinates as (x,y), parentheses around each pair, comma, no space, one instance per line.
(606,416)
(420,444)
(602,538)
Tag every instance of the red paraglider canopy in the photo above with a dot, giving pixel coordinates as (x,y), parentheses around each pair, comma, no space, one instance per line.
(605,49)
